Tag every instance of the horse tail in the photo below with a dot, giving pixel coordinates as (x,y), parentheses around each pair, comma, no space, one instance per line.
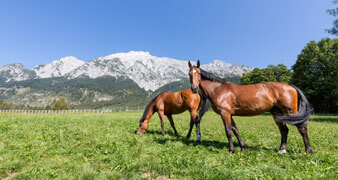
(150,106)
(304,111)
(203,107)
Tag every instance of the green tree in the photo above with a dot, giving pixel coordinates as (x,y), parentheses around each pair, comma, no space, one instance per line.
(4,105)
(334,13)
(315,72)
(60,104)
(279,73)
(282,73)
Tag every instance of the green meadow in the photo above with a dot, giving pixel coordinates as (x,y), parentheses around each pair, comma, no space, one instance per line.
(105,146)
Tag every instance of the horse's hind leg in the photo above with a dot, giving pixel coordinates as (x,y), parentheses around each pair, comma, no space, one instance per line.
(236,132)
(303,132)
(161,115)
(283,129)
(284,133)
(172,123)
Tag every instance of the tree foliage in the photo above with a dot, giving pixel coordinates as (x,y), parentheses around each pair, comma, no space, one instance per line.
(279,73)
(60,104)
(4,105)
(315,72)
(334,13)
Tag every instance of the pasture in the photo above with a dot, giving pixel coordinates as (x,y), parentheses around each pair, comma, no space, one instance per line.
(105,146)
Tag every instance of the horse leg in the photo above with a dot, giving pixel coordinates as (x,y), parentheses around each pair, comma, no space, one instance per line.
(303,132)
(226,117)
(190,129)
(172,123)
(194,119)
(161,115)
(236,132)
(284,130)
(198,129)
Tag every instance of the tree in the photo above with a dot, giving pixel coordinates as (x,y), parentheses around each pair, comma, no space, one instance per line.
(315,72)
(4,105)
(60,104)
(279,73)
(334,13)
(282,73)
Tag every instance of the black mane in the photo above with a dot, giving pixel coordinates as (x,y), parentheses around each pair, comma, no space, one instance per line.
(147,108)
(211,77)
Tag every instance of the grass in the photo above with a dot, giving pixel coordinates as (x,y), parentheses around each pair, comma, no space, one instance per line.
(105,146)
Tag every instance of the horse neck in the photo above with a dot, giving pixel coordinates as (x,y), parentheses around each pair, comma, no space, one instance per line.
(148,112)
(208,87)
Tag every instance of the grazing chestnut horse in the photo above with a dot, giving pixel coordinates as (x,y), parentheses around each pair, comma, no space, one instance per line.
(286,103)
(168,103)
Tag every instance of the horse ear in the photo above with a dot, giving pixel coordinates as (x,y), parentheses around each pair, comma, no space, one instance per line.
(189,63)
(198,64)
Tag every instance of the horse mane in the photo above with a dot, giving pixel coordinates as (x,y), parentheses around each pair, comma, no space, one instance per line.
(147,108)
(211,77)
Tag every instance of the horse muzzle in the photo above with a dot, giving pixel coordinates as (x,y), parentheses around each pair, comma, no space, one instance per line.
(194,89)
(140,133)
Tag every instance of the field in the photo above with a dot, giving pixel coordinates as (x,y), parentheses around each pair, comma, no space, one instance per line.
(105,146)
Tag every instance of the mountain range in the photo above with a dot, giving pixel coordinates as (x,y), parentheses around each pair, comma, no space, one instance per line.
(107,80)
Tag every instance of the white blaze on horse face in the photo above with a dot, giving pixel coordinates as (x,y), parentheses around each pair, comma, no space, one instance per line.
(194,70)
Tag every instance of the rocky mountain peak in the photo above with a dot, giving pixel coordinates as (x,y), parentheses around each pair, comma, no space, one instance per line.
(147,71)
(58,68)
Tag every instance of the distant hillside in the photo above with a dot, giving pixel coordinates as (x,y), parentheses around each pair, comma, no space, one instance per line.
(116,80)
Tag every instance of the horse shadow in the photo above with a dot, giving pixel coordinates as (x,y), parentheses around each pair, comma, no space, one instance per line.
(171,133)
(205,143)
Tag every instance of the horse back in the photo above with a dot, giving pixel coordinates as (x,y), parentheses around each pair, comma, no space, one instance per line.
(258,98)
(171,103)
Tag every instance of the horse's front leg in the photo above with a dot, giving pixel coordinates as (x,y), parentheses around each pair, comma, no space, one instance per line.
(226,119)
(161,115)
(194,119)
(236,132)
(190,129)
(198,129)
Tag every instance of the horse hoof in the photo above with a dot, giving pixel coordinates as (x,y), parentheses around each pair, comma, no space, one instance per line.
(282,151)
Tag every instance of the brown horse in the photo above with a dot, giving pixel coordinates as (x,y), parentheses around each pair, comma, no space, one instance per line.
(286,103)
(168,103)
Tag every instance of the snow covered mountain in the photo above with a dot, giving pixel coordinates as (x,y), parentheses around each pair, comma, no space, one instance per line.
(224,69)
(121,79)
(58,68)
(15,72)
(150,72)
(147,71)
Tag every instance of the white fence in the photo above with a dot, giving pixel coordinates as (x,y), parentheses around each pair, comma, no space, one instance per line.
(118,109)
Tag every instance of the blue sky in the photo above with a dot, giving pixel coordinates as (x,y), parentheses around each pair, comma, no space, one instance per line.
(255,33)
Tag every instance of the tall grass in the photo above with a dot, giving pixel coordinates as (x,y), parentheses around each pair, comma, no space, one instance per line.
(105,146)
